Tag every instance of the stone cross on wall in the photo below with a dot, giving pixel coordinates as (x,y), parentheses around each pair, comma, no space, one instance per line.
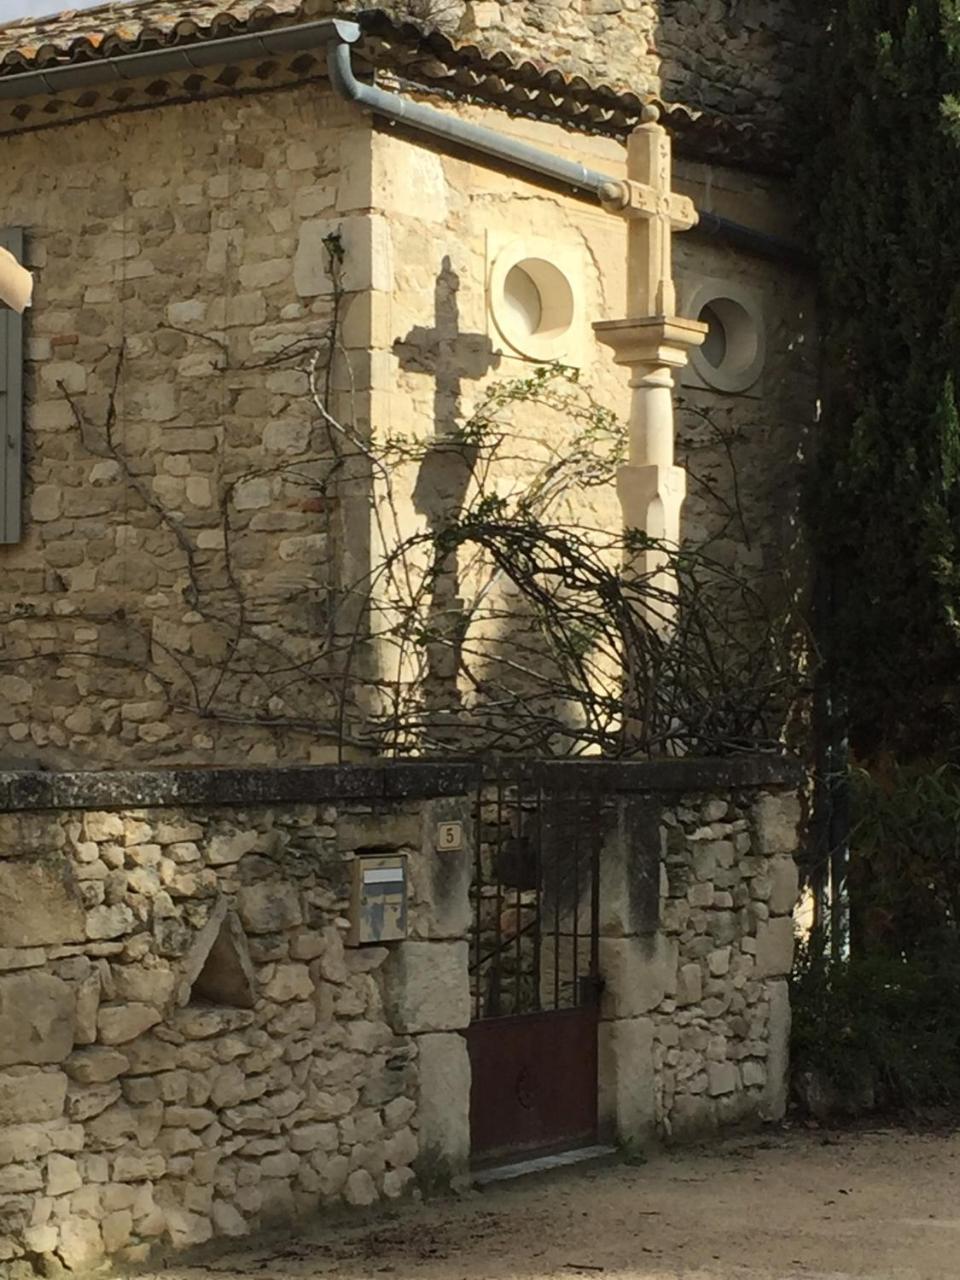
(652,342)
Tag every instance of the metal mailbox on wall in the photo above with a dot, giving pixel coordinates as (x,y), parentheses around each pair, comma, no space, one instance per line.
(378,905)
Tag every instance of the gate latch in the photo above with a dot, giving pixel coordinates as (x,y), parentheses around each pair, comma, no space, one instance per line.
(591,989)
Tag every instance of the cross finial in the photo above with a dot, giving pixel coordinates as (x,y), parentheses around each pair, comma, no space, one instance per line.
(655,212)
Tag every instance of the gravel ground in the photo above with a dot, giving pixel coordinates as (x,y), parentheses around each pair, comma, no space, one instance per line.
(884,1203)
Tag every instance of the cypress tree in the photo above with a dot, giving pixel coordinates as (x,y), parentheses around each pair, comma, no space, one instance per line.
(881,186)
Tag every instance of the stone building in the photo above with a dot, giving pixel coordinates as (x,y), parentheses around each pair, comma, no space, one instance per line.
(177,532)
(238,269)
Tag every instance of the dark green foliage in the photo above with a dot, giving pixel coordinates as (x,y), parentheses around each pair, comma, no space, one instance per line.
(877,1031)
(905,875)
(882,193)
(881,185)
(882,1028)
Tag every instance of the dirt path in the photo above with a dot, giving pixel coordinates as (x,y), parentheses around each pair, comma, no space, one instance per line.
(881,1204)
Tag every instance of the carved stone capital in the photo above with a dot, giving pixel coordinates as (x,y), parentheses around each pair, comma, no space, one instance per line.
(654,340)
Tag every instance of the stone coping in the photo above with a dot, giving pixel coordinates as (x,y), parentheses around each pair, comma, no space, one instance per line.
(386,781)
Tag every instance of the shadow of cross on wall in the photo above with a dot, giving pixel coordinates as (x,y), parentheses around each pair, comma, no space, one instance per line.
(449,357)
(443,478)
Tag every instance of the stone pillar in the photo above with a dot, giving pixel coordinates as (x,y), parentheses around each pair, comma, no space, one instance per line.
(638,965)
(440,877)
(777,1089)
(777,819)
(427,992)
(427,995)
(652,342)
(444,1110)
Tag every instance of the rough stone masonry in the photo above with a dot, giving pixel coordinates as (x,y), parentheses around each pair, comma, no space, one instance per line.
(188,1049)
(177,566)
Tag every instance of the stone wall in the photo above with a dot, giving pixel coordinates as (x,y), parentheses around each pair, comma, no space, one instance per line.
(745,453)
(190,533)
(698,942)
(187,1047)
(698,990)
(438,347)
(178,515)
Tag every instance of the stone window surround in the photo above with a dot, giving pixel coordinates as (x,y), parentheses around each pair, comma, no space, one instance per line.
(742,311)
(556,269)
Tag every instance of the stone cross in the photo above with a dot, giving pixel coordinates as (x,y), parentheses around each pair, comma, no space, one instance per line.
(652,342)
(655,212)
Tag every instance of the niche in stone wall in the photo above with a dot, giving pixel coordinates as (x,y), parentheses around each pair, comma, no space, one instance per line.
(218,969)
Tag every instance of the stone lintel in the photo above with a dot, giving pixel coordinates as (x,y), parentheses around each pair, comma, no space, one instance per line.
(118,789)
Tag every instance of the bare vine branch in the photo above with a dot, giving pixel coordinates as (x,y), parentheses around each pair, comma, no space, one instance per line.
(492,615)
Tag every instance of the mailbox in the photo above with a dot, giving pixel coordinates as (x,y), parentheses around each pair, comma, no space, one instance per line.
(378,907)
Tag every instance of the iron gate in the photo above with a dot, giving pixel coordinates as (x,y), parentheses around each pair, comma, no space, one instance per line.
(535,963)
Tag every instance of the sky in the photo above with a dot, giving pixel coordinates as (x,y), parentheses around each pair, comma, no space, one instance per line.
(10,9)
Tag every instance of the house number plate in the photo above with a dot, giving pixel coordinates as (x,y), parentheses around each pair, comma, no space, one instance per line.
(450,837)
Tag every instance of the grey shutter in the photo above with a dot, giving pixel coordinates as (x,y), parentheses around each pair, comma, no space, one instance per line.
(11,405)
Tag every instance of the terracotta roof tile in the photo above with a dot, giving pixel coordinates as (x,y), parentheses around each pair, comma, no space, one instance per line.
(416,56)
(63,35)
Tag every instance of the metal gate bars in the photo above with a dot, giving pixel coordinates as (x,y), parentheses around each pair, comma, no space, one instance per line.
(534,967)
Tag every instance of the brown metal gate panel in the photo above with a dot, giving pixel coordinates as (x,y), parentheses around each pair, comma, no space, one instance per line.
(534,1082)
(534,964)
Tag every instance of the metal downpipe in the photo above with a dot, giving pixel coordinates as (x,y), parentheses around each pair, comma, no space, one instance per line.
(449,128)
(439,124)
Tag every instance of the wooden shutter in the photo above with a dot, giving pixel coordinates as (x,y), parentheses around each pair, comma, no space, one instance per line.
(11,405)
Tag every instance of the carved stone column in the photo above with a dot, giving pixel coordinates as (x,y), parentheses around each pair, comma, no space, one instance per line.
(652,342)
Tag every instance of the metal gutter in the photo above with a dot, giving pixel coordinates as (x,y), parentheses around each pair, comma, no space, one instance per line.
(760,244)
(450,128)
(337,36)
(206,53)
(475,137)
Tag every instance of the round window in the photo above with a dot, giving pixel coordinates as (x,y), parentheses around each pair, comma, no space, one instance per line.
(715,343)
(732,355)
(522,301)
(533,304)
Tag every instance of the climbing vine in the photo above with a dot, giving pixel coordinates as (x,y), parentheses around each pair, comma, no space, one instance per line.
(467,591)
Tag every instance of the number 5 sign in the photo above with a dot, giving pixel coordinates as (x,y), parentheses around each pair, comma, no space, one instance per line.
(449,837)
